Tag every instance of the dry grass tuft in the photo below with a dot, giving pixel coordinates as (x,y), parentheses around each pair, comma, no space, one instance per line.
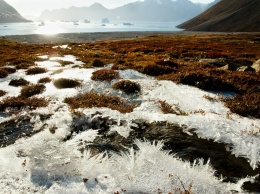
(127,86)
(167,109)
(36,70)
(66,83)
(19,82)
(105,75)
(32,90)
(91,100)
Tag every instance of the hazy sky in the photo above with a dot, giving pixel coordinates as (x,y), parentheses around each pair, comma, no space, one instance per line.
(35,7)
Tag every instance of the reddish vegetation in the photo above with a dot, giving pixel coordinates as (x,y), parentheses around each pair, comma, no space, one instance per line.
(20,102)
(2,93)
(91,99)
(127,86)
(3,73)
(32,90)
(44,80)
(172,57)
(36,70)
(105,75)
(18,82)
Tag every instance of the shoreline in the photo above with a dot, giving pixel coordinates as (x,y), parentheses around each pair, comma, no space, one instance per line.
(83,37)
(100,36)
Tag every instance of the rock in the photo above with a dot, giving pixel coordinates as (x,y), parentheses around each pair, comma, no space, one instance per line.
(216,62)
(256,65)
(246,68)
(231,66)
(208,60)
(105,21)
(224,67)
(14,129)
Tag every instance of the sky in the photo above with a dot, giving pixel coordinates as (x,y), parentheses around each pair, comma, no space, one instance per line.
(35,7)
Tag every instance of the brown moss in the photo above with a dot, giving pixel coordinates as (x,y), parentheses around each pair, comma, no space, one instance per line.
(66,83)
(161,52)
(245,105)
(3,73)
(18,82)
(64,63)
(20,102)
(105,75)
(32,90)
(167,109)
(213,79)
(2,93)
(97,63)
(9,70)
(44,80)
(23,66)
(156,70)
(91,99)
(36,70)
(127,86)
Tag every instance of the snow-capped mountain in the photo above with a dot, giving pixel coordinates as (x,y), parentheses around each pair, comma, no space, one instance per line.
(148,10)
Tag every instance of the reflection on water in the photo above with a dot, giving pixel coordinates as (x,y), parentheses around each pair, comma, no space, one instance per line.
(70,27)
(49,28)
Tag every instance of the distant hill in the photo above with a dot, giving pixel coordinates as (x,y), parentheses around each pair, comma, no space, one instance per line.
(8,14)
(147,10)
(227,16)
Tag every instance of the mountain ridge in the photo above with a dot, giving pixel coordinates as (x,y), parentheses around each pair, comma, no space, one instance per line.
(227,16)
(8,14)
(148,10)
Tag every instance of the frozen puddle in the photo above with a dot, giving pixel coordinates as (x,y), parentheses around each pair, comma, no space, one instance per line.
(45,163)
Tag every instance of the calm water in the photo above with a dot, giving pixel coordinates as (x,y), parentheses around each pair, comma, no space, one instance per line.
(70,27)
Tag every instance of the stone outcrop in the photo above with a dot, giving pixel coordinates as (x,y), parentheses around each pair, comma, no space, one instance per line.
(256,65)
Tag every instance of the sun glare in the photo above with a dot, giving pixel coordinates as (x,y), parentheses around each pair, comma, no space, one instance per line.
(48,28)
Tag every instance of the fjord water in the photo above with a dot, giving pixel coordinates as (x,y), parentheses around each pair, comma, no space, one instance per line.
(80,27)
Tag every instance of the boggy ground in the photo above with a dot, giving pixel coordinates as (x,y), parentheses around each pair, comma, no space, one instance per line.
(207,61)
(217,62)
